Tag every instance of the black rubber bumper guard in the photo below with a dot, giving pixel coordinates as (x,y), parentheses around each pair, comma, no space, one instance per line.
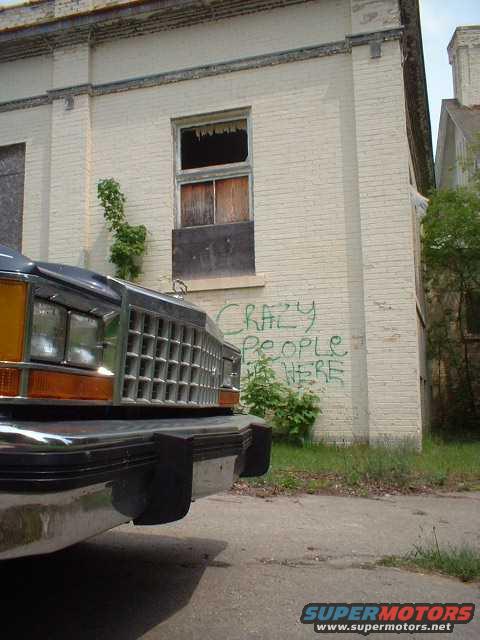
(166,463)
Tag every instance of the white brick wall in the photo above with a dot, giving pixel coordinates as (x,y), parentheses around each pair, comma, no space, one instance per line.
(308,24)
(70,161)
(387,244)
(25,78)
(331,196)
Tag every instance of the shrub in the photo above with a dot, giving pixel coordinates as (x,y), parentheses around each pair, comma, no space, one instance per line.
(262,391)
(292,412)
(296,414)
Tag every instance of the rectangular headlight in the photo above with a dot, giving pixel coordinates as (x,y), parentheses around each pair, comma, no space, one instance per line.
(84,341)
(49,328)
(227,373)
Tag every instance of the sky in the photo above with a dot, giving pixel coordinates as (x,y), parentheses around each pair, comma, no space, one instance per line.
(439,20)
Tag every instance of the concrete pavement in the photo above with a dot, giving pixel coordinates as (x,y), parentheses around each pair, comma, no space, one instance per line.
(238,568)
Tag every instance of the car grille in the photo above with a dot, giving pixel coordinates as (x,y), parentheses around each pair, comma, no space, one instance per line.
(169,362)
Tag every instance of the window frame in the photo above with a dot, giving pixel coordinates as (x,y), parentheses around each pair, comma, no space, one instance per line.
(214,172)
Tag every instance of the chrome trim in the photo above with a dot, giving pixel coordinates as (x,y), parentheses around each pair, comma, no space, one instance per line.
(26,340)
(34,524)
(59,368)
(37,524)
(231,352)
(73,435)
(169,362)
(213,476)
(11,275)
(21,400)
(121,351)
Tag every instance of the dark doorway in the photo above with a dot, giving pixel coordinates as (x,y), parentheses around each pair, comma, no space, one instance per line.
(12,179)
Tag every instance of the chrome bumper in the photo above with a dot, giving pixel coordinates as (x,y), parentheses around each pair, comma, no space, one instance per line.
(64,482)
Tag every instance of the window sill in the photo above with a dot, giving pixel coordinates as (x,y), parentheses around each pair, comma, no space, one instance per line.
(231,282)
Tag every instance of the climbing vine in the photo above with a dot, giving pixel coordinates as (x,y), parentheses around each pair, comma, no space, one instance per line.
(129,241)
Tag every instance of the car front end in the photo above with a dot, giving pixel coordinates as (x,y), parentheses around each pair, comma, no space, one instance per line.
(116,405)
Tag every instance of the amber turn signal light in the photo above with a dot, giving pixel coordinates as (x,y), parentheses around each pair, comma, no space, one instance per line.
(69,386)
(13,296)
(228,398)
(9,382)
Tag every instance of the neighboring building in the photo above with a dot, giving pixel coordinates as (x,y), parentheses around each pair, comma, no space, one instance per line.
(273,149)
(457,158)
(458,145)
(460,118)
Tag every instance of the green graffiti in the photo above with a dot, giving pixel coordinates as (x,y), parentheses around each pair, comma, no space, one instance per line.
(305,357)
(255,318)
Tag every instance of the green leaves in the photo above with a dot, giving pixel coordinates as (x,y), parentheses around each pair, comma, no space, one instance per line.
(129,243)
(451,237)
(262,392)
(451,258)
(291,412)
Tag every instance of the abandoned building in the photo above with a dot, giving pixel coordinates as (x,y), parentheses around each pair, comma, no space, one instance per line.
(458,145)
(459,128)
(274,149)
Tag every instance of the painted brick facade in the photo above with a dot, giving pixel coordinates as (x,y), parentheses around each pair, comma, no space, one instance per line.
(464,55)
(334,299)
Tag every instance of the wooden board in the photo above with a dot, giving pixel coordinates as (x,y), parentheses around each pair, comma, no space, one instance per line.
(232,200)
(215,251)
(197,204)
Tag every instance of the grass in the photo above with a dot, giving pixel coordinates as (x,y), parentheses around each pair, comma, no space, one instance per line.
(459,562)
(361,469)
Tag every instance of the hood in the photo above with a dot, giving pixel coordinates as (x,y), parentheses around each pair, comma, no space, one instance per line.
(95,283)
(111,289)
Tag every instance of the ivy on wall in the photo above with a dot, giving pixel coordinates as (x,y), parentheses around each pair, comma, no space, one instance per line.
(129,241)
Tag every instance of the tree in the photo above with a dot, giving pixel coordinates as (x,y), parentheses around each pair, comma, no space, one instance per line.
(451,255)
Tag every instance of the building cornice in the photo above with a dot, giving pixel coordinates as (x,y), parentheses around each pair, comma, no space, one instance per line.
(134,18)
(206,71)
(418,112)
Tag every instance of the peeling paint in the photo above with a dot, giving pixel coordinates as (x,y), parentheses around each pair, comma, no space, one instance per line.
(376,12)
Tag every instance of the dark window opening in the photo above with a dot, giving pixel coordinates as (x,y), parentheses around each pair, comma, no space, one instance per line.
(214,144)
(473,312)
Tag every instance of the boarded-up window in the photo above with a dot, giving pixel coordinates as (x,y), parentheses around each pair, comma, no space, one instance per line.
(214,183)
(197,204)
(232,200)
(12,178)
(215,202)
